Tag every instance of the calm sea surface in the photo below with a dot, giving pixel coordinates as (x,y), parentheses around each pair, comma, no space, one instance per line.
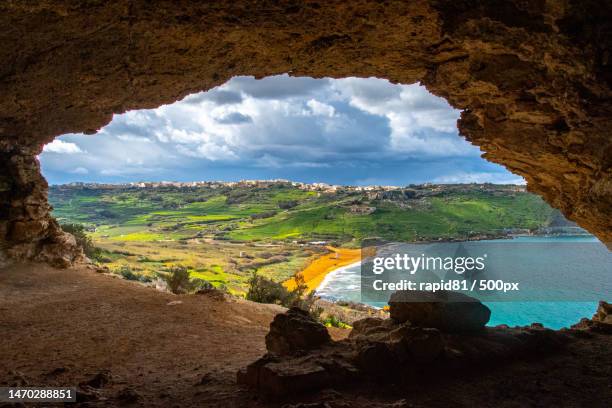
(345,283)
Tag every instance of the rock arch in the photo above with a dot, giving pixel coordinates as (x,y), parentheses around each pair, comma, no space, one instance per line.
(533,79)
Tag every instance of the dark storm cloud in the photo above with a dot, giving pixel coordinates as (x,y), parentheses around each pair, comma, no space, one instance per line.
(234,118)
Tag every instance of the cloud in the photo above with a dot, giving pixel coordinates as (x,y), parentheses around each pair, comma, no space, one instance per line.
(61,147)
(210,151)
(276,87)
(216,96)
(420,123)
(344,131)
(80,170)
(132,138)
(234,118)
(460,177)
(321,109)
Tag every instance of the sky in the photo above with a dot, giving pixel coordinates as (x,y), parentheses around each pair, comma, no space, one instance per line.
(351,131)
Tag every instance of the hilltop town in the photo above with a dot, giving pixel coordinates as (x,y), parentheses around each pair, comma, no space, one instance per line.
(318,187)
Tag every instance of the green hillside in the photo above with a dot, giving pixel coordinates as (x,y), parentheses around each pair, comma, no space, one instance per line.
(223,234)
(281,212)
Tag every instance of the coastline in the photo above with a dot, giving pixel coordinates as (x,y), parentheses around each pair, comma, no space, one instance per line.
(321,267)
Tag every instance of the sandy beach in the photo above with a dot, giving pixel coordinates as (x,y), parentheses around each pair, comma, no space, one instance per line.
(318,269)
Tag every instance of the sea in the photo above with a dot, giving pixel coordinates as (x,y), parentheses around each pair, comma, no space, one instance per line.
(589,274)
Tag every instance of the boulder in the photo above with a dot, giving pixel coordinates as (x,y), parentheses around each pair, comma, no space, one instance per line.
(383,348)
(276,377)
(444,310)
(295,331)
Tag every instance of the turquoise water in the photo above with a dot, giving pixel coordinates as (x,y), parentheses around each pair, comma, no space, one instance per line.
(591,276)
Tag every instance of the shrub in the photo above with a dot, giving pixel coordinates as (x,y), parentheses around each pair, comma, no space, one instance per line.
(264,290)
(262,215)
(198,284)
(126,273)
(177,279)
(333,321)
(287,204)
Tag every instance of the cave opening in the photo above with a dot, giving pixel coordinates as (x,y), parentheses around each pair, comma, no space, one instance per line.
(531,80)
(241,163)
(351,131)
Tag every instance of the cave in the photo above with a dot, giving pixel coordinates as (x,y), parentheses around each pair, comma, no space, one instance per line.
(532,80)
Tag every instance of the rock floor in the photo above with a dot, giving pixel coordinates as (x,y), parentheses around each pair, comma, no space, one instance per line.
(124,344)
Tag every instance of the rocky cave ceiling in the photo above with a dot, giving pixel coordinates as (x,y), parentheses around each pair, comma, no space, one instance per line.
(533,79)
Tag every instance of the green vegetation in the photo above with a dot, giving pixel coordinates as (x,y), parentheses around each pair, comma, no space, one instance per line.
(85,241)
(264,290)
(333,321)
(222,235)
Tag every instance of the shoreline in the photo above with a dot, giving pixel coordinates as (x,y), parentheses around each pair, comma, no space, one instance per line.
(332,274)
(322,268)
(317,270)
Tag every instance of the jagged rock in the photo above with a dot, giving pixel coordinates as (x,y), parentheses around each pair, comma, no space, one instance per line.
(278,376)
(603,313)
(60,250)
(295,331)
(27,230)
(444,310)
(601,321)
(385,347)
(370,325)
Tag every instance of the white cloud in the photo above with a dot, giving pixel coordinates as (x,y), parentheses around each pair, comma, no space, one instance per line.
(321,109)
(209,151)
(420,123)
(309,129)
(59,146)
(131,138)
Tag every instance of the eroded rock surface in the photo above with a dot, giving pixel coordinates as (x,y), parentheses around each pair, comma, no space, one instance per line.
(295,331)
(532,78)
(386,349)
(31,232)
(600,322)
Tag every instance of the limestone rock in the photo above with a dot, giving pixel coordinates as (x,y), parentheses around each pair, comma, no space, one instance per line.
(295,331)
(387,350)
(369,326)
(601,321)
(276,376)
(401,349)
(444,310)
(603,313)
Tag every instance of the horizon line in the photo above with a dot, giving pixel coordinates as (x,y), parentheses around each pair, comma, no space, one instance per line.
(279,181)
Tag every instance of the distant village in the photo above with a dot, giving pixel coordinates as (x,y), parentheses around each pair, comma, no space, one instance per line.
(318,187)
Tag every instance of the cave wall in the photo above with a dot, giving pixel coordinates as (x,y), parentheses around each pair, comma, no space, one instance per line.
(533,79)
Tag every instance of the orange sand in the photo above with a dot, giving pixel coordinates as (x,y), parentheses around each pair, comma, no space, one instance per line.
(316,271)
